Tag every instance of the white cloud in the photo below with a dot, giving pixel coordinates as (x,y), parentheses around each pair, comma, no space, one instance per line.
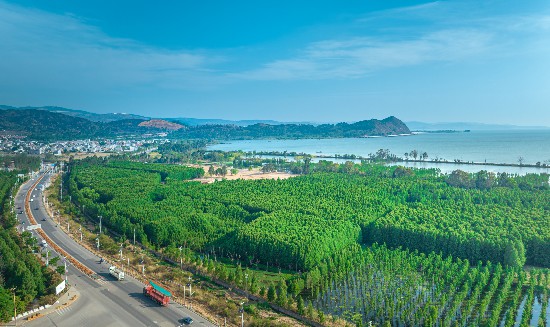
(355,57)
(435,32)
(45,51)
(48,50)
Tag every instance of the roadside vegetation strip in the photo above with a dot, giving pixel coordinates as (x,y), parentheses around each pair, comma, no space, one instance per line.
(48,240)
(24,279)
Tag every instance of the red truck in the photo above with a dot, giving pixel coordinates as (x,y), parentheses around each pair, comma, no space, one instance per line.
(157,293)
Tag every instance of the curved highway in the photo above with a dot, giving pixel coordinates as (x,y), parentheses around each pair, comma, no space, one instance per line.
(105,301)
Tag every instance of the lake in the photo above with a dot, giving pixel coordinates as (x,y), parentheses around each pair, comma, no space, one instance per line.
(502,147)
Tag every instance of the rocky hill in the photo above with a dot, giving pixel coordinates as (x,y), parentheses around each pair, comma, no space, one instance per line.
(161,124)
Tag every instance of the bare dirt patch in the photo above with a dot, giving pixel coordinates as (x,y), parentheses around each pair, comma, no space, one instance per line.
(246,174)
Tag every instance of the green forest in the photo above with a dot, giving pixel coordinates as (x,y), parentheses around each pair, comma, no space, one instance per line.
(23,162)
(420,210)
(447,241)
(21,273)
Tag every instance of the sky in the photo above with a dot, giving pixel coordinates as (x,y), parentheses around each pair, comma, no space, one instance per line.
(318,61)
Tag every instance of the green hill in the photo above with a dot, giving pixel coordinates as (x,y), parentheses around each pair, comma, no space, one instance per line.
(47,125)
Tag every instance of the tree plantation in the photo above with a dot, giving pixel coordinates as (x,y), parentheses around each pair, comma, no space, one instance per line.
(451,241)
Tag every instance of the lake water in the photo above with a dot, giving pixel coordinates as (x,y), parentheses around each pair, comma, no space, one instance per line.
(504,147)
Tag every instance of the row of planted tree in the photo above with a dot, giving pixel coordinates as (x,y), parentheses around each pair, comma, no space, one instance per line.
(298,221)
(386,287)
(309,223)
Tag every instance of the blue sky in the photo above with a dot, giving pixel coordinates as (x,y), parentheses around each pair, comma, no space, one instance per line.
(324,61)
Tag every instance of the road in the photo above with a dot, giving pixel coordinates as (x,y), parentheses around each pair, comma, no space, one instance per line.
(103,302)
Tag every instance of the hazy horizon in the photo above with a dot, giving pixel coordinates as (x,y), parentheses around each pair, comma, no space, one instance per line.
(442,61)
(316,122)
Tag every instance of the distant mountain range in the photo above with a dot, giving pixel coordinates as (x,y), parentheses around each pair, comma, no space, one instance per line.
(48,126)
(412,125)
(55,123)
(461,126)
(81,113)
(199,121)
(121,116)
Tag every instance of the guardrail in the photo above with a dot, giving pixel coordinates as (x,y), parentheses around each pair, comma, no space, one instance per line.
(48,240)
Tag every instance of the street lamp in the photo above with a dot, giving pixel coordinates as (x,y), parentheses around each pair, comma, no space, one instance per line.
(14,306)
(100,217)
(65,264)
(241,311)
(184,303)
(181,259)
(189,285)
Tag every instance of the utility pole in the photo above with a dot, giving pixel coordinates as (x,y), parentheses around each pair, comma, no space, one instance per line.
(134,236)
(120,251)
(97,239)
(100,217)
(80,229)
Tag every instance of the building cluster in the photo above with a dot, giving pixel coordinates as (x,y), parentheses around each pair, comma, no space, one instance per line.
(15,144)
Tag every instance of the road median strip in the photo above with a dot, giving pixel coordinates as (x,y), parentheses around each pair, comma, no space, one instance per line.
(48,240)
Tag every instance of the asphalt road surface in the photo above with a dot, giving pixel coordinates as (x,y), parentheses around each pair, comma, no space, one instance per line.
(104,301)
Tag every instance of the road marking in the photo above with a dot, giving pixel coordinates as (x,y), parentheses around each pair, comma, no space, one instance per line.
(62,311)
(101,281)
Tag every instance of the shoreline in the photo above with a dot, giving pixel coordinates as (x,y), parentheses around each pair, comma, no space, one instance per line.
(360,158)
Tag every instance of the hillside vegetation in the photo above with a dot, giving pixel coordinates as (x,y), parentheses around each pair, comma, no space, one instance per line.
(49,125)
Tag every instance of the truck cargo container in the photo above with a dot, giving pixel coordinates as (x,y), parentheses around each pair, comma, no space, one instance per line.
(157,293)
